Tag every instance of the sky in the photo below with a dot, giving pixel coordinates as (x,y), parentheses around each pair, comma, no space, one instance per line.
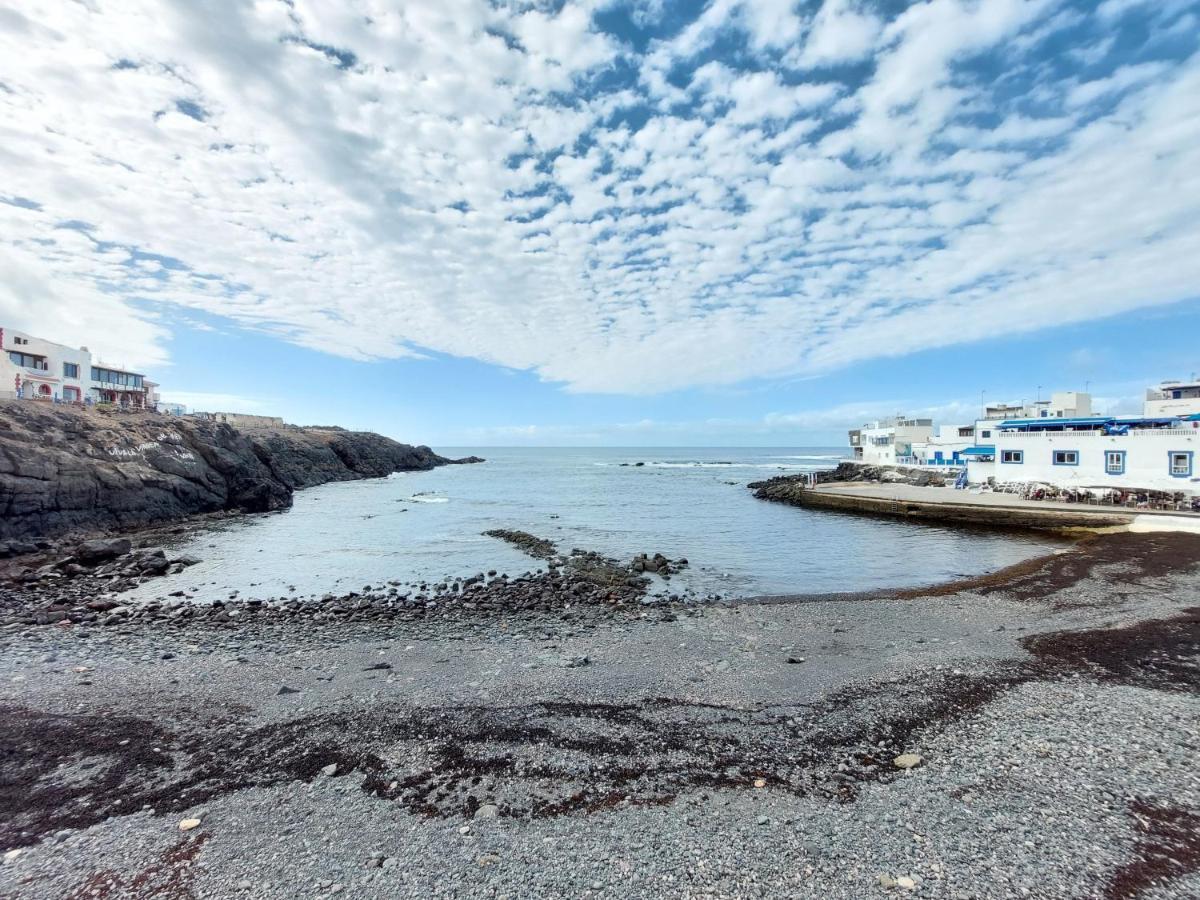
(645,223)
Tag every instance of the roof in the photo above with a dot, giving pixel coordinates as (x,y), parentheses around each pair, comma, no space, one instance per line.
(1140,420)
(1093,421)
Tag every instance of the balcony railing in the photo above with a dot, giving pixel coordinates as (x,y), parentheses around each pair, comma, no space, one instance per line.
(1074,435)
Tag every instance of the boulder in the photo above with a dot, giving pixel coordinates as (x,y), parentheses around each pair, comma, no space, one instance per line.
(102,550)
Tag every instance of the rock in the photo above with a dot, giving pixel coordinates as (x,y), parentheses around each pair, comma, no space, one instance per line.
(17,548)
(330,770)
(487,811)
(795,660)
(905,882)
(284,689)
(186,560)
(378,667)
(538,548)
(189,824)
(102,550)
(887,881)
(907,761)
(11,855)
(68,469)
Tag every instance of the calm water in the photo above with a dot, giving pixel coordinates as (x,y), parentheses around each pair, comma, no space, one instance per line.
(682,502)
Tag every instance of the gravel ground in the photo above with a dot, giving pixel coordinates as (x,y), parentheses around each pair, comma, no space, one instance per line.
(728,750)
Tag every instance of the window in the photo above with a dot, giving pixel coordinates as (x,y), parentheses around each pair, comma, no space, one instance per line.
(985,433)
(70,370)
(1175,395)
(1114,462)
(1066,457)
(28,360)
(1181,463)
(1012,456)
(20,340)
(110,376)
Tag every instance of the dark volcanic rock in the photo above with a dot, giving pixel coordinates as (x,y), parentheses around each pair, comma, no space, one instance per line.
(64,469)
(538,548)
(102,550)
(784,487)
(304,457)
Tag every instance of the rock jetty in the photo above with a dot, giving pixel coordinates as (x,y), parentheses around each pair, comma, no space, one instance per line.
(70,470)
(785,488)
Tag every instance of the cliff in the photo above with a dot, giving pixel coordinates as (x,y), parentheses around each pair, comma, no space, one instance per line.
(69,470)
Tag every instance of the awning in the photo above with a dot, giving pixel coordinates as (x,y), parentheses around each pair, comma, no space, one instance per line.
(979,451)
(1054,423)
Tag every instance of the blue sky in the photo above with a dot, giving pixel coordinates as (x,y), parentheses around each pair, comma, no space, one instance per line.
(607,222)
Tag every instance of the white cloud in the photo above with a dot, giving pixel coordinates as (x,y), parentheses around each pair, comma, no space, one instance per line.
(479,179)
(839,33)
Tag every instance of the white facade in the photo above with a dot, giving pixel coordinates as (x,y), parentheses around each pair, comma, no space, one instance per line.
(882,443)
(42,370)
(1061,405)
(945,446)
(1172,398)
(1159,459)
(35,369)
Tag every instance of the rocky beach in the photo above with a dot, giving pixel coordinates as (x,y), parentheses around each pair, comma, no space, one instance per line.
(584,728)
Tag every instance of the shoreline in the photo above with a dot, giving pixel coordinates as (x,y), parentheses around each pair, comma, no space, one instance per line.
(480,737)
(932,502)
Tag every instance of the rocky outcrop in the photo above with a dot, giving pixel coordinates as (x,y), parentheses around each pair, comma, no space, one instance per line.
(304,457)
(786,488)
(69,470)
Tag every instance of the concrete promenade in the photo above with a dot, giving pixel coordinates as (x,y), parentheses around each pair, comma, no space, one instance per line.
(946,504)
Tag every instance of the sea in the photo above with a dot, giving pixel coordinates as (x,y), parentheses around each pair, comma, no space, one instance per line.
(681,502)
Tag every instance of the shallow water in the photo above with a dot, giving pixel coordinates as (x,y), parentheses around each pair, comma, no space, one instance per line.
(681,502)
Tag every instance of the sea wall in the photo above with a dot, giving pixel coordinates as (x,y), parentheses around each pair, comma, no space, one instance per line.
(948,507)
(66,470)
(946,512)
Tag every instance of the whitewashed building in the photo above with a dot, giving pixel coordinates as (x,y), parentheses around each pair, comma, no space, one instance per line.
(32,368)
(1157,453)
(37,369)
(944,448)
(1172,398)
(885,442)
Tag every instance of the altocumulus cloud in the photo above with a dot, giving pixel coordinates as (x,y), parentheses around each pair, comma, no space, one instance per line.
(621,197)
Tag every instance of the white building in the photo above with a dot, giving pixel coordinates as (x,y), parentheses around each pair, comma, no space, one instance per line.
(1061,405)
(42,370)
(884,442)
(37,369)
(945,447)
(1172,398)
(1157,454)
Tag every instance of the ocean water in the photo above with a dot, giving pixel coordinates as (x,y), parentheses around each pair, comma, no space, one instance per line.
(682,503)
